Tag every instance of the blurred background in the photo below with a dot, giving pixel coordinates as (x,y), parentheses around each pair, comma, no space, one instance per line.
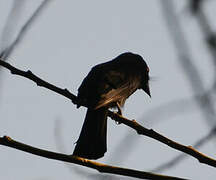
(61,40)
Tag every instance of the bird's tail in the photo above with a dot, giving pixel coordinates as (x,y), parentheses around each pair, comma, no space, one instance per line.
(92,140)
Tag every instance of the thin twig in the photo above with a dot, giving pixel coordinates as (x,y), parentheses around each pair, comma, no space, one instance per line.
(103,168)
(205,103)
(58,129)
(6,53)
(153,134)
(40,82)
(157,115)
(133,124)
(9,29)
(209,34)
(177,159)
(16,10)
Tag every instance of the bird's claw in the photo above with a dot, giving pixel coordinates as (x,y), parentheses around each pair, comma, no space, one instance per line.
(117,122)
(119,108)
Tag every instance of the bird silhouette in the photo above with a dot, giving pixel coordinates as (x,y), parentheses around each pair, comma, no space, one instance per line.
(107,85)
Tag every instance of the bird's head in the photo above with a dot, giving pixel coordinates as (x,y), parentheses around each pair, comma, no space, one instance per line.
(135,62)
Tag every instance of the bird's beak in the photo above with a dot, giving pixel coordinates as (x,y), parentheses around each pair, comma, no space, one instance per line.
(147,89)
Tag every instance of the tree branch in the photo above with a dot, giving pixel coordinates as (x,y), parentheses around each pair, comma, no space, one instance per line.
(151,133)
(205,103)
(173,162)
(131,123)
(103,168)
(10,48)
(40,82)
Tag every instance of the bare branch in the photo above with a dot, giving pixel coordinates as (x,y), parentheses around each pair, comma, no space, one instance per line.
(151,133)
(61,148)
(6,52)
(182,48)
(208,33)
(182,105)
(157,115)
(133,124)
(103,168)
(195,5)
(7,48)
(40,82)
(8,32)
(180,157)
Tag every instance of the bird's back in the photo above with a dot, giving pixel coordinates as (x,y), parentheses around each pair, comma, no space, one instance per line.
(112,82)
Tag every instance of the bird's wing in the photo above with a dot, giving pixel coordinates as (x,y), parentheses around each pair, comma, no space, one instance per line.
(117,87)
(105,85)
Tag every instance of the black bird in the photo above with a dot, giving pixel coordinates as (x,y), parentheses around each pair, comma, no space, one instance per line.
(107,85)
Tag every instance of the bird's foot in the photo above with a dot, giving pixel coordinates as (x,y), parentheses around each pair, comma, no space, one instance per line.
(117,122)
(119,109)
(119,112)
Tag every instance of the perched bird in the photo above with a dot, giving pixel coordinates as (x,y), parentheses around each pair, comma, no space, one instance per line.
(107,85)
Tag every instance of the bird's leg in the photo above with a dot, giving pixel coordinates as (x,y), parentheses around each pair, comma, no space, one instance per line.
(119,108)
(119,111)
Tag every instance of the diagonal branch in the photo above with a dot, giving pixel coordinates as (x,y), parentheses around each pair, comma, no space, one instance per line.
(103,168)
(205,103)
(9,29)
(131,123)
(40,82)
(153,134)
(7,52)
(173,162)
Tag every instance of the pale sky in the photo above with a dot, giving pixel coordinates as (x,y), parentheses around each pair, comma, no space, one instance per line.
(62,45)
